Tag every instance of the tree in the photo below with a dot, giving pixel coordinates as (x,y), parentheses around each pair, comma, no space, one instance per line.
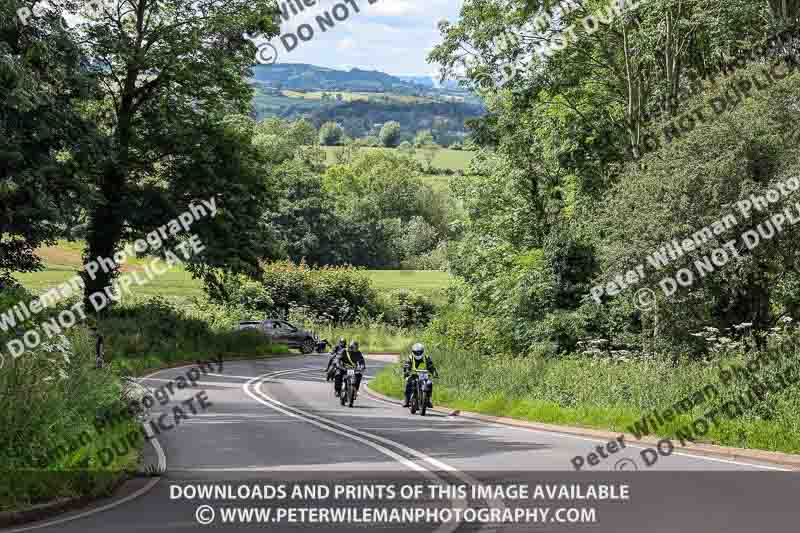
(423,138)
(331,134)
(303,132)
(171,72)
(406,148)
(390,134)
(40,188)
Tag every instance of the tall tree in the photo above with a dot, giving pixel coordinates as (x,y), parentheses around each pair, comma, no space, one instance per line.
(40,83)
(169,70)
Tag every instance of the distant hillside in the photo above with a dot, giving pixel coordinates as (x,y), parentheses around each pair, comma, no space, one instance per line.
(362,101)
(433,82)
(309,77)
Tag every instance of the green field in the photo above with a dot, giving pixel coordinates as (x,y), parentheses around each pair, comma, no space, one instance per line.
(63,260)
(445,158)
(431,283)
(356,96)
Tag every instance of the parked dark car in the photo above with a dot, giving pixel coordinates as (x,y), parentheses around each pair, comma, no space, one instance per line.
(282,332)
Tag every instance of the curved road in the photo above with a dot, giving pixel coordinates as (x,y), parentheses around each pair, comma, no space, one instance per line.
(275,421)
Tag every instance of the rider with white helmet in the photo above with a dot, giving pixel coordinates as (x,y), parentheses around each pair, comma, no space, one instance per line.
(417,360)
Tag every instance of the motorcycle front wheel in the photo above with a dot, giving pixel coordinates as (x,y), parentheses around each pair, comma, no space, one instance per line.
(423,403)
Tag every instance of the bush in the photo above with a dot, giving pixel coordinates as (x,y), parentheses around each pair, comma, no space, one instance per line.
(331,134)
(50,396)
(390,134)
(406,309)
(327,294)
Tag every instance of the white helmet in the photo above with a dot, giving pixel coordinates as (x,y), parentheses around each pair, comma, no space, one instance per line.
(418,350)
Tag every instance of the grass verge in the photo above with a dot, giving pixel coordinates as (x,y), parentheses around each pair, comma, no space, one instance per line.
(379,338)
(616,395)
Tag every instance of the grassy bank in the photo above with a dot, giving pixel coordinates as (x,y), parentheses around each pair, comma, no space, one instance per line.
(55,393)
(372,339)
(604,394)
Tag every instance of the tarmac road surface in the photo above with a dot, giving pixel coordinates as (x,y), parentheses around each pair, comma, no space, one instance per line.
(275,423)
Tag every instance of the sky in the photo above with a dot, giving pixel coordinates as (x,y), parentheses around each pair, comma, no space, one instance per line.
(392,36)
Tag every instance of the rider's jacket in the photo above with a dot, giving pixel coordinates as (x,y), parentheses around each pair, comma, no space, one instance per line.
(350,359)
(412,365)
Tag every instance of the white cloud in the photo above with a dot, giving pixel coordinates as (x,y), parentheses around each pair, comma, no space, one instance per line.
(394,36)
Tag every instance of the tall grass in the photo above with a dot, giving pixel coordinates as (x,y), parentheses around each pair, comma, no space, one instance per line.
(152,333)
(372,338)
(612,394)
(50,395)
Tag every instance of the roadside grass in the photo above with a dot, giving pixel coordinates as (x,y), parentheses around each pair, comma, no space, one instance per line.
(78,473)
(154,333)
(604,394)
(379,338)
(54,393)
(445,157)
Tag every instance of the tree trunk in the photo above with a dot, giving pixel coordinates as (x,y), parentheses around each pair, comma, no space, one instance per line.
(107,223)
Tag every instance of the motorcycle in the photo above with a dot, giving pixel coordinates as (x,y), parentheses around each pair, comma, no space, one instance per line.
(421,392)
(348,395)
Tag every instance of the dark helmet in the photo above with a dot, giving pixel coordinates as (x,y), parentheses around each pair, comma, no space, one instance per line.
(418,350)
(354,346)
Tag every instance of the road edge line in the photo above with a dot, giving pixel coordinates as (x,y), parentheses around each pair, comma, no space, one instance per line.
(709,451)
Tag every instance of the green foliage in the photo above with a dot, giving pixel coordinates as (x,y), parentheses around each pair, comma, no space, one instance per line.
(153,332)
(406,148)
(569,189)
(327,294)
(423,138)
(390,134)
(41,182)
(331,134)
(406,308)
(741,153)
(611,394)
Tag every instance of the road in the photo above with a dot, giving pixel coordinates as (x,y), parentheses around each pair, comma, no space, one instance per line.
(275,421)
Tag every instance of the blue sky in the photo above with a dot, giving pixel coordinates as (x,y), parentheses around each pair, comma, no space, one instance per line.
(393,36)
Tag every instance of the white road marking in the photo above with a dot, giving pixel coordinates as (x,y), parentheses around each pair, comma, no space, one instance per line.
(350,433)
(600,441)
(494,503)
(162,467)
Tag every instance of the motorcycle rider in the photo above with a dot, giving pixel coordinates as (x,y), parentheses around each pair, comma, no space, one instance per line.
(337,350)
(351,358)
(417,360)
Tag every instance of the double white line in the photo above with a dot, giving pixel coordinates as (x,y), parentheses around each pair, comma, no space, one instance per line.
(376,442)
